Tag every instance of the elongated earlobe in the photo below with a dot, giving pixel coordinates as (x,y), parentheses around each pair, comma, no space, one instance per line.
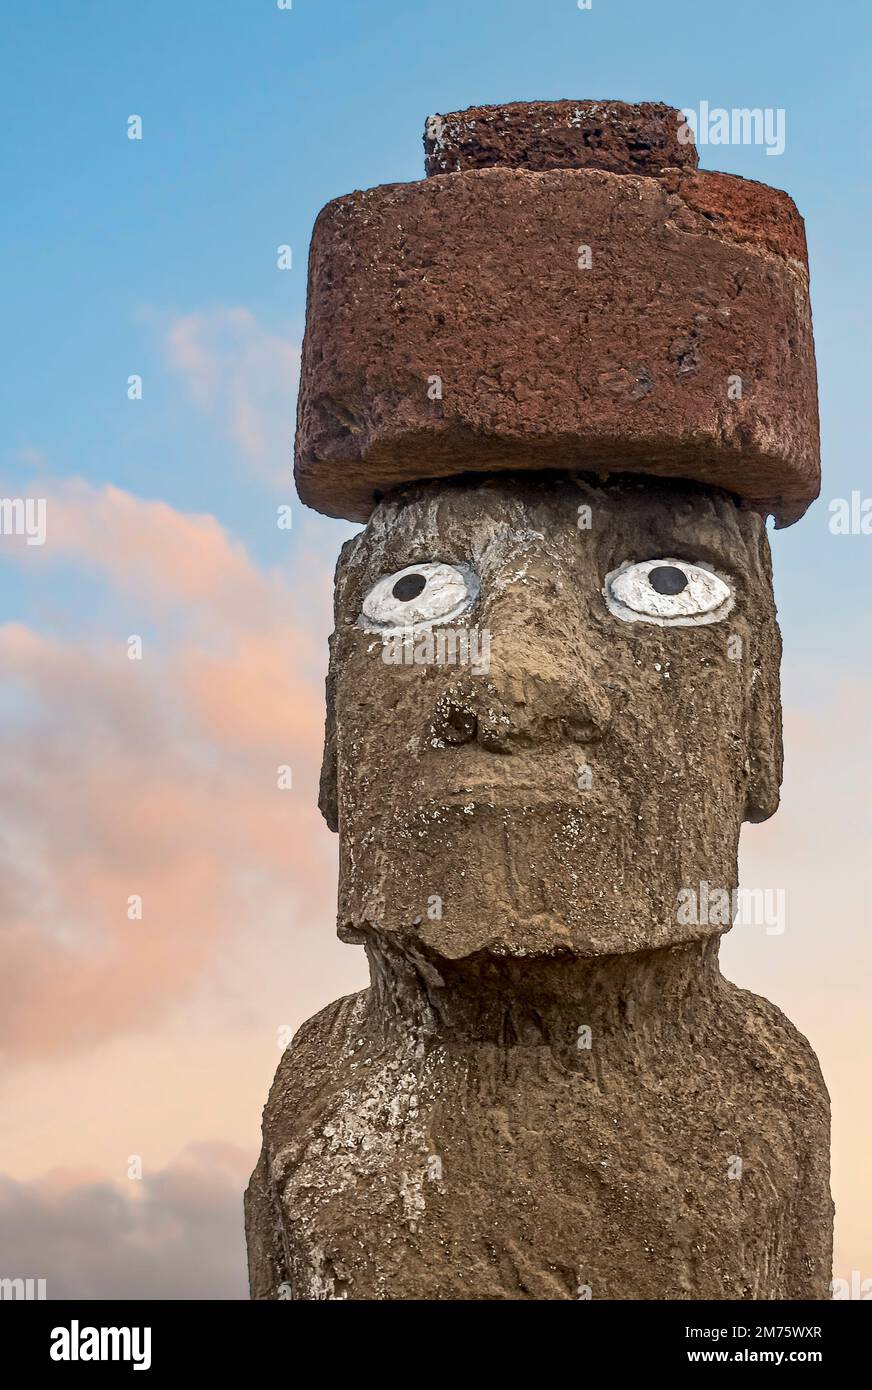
(764,740)
(327,796)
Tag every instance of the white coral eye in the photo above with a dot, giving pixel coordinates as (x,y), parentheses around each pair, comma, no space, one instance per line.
(419,596)
(670,593)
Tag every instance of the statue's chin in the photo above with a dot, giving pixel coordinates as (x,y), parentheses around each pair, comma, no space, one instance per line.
(539,880)
(525,938)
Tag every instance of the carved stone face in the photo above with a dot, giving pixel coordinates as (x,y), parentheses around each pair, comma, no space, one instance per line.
(552,781)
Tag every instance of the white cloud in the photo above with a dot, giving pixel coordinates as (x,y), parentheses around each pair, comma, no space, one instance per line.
(245,378)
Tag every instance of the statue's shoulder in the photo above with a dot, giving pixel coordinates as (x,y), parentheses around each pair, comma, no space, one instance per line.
(333,1025)
(321,1048)
(774,1049)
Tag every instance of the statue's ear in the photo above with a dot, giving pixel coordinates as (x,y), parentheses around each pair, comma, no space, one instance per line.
(327,797)
(764,745)
(328,801)
(765,755)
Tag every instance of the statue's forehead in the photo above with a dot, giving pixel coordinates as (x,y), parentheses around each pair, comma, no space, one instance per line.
(485,525)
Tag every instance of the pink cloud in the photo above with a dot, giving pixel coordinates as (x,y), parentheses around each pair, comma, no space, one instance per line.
(155,778)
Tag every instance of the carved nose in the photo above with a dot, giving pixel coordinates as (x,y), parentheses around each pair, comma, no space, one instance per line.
(518,707)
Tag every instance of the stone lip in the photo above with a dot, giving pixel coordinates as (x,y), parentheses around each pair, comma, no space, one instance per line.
(624,138)
(473,278)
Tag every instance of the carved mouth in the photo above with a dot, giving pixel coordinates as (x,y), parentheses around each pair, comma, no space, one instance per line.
(533,778)
(515,794)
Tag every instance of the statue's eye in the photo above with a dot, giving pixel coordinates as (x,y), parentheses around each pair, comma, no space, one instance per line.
(419,596)
(671,593)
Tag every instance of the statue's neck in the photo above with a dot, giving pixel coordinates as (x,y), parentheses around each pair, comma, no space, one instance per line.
(544,1001)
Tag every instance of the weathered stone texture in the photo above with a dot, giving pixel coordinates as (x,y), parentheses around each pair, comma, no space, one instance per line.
(562,376)
(464,785)
(448,1133)
(697,282)
(539,135)
(473,1150)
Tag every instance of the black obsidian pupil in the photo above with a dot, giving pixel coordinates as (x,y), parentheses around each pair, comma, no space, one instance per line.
(667,579)
(408,587)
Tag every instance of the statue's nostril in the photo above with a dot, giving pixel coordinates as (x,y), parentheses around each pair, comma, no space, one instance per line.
(460,726)
(455,720)
(462,730)
(581,730)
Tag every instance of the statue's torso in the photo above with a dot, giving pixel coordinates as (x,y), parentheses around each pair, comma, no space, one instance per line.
(660,1162)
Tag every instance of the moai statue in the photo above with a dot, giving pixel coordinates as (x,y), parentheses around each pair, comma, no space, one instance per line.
(564,379)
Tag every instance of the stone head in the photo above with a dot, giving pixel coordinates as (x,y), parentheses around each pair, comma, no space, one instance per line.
(552,702)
